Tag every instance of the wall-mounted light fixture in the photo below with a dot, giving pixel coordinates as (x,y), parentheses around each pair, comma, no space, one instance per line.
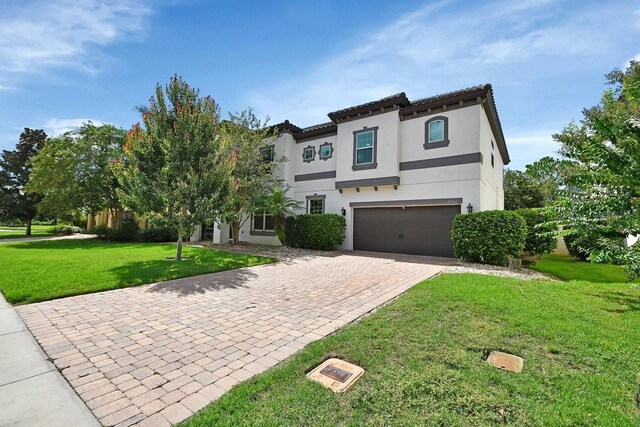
(344,212)
(470,208)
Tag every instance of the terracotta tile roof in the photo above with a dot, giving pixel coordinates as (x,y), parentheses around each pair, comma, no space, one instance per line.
(452,94)
(399,99)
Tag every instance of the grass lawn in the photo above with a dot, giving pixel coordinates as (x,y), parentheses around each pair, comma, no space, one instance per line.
(43,270)
(424,361)
(567,268)
(7,232)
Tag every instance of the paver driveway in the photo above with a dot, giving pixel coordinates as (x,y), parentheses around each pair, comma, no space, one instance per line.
(155,354)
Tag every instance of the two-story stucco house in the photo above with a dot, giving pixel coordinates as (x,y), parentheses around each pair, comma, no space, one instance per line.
(398,170)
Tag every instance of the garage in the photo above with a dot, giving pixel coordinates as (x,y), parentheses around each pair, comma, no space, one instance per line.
(415,230)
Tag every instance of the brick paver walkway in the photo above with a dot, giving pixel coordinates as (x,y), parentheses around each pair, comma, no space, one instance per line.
(155,354)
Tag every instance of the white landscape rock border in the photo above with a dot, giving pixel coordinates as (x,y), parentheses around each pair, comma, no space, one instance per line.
(493,270)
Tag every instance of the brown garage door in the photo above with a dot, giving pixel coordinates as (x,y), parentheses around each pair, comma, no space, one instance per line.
(417,230)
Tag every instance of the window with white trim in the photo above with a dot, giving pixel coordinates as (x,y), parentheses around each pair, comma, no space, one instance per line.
(364,147)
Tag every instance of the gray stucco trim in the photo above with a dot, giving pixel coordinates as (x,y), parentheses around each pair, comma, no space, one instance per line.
(374,164)
(371,182)
(419,202)
(438,144)
(330,151)
(314,176)
(459,159)
(261,233)
(316,197)
(304,150)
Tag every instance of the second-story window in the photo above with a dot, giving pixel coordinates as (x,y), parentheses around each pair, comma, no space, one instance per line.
(308,154)
(268,153)
(436,132)
(364,148)
(326,151)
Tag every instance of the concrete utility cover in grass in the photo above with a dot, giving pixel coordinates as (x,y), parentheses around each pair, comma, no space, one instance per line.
(506,361)
(335,374)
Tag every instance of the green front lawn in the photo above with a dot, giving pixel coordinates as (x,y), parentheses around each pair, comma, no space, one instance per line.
(7,232)
(423,357)
(43,270)
(567,268)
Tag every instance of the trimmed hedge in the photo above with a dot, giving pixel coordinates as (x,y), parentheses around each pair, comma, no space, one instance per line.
(158,234)
(315,231)
(489,236)
(128,231)
(540,232)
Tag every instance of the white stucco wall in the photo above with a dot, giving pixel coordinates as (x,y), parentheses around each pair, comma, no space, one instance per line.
(387,147)
(397,141)
(491,188)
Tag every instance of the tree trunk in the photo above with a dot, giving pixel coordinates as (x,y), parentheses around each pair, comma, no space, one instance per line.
(29,227)
(235,232)
(179,246)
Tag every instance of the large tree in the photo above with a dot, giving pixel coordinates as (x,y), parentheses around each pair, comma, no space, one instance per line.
(178,166)
(15,170)
(602,201)
(253,172)
(535,187)
(75,172)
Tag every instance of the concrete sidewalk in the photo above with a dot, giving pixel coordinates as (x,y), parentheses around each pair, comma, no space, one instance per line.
(76,236)
(32,392)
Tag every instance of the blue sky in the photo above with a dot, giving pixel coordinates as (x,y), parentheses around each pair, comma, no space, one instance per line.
(65,61)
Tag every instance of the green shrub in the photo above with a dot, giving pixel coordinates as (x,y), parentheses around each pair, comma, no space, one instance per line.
(102,231)
(578,244)
(64,230)
(540,231)
(489,236)
(128,231)
(158,234)
(315,231)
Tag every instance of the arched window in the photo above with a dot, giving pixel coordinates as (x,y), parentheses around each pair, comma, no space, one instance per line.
(436,132)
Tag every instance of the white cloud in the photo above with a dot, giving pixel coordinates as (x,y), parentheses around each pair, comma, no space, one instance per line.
(526,148)
(439,48)
(41,34)
(56,126)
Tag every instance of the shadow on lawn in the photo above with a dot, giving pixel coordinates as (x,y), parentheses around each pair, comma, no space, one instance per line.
(624,302)
(63,244)
(231,279)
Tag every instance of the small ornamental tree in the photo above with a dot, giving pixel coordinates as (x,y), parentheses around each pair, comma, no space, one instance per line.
(252,177)
(178,166)
(15,168)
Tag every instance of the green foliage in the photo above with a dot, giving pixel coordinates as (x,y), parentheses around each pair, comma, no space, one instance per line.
(315,231)
(75,173)
(489,236)
(281,207)
(541,231)
(253,179)
(537,186)
(128,231)
(158,234)
(15,171)
(177,168)
(601,204)
(102,231)
(64,230)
